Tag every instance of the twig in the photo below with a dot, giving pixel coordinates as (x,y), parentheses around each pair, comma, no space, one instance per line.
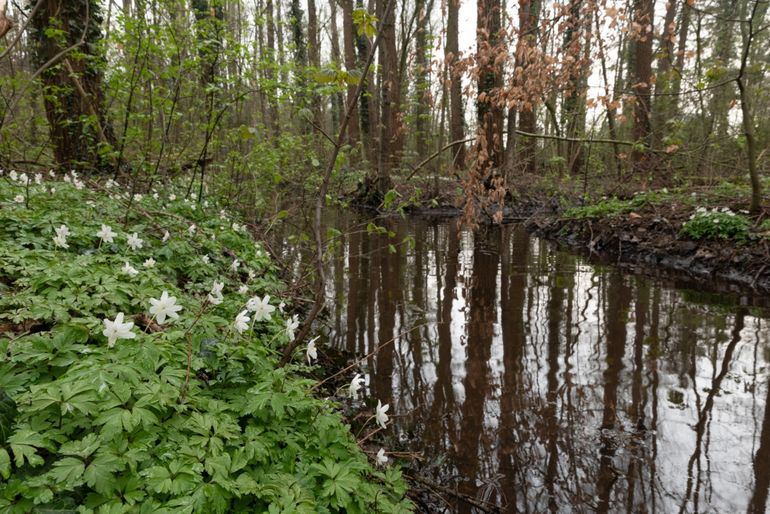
(484,506)
(376,349)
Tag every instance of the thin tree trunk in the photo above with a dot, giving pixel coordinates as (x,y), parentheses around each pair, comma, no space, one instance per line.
(348,31)
(422,79)
(337,100)
(451,56)
(529,13)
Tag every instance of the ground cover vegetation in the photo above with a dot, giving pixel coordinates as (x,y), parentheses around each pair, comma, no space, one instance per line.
(140,336)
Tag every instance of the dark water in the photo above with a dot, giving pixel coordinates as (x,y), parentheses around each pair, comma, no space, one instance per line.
(537,382)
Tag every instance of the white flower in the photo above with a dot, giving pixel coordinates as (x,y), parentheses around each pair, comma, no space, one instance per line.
(165,306)
(215,296)
(206,259)
(114,330)
(243,289)
(38,178)
(281,306)
(191,229)
(19,199)
(236,227)
(138,197)
(60,241)
(252,274)
(67,178)
(242,321)
(106,234)
(149,263)
(51,174)
(78,184)
(381,458)
(24,179)
(62,231)
(235,264)
(172,197)
(13,175)
(166,236)
(110,184)
(134,241)
(291,326)
(129,270)
(312,352)
(260,307)
(355,385)
(53,190)
(379,414)
(155,196)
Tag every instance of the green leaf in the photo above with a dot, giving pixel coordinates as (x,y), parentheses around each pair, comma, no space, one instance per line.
(5,464)
(68,471)
(99,473)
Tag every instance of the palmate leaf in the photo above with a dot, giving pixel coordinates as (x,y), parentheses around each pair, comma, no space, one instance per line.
(24,444)
(68,472)
(99,473)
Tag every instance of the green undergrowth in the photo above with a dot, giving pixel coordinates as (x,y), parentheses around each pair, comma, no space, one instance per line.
(93,423)
(613,206)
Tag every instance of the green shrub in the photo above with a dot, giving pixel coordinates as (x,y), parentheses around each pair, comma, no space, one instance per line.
(716,224)
(189,415)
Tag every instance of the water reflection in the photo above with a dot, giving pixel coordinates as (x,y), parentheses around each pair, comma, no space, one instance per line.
(540,383)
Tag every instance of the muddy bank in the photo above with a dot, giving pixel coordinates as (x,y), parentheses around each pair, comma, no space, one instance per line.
(651,240)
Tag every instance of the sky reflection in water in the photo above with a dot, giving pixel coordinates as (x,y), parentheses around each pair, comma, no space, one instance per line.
(551,385)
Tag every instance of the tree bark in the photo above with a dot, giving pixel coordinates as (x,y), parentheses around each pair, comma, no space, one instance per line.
(488,107)
(422,79)
(72,84)
(642,82)
(529,13)
(391,133)
(451,56)
(348,33)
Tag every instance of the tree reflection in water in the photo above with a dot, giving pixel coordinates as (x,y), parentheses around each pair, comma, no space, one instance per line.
(544,384)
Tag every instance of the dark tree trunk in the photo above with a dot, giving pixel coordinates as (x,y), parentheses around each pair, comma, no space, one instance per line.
(456,114)
(391,133)
(348,32)
(529,12)
(488,107)
(641,82)
(423,99)
(72,83)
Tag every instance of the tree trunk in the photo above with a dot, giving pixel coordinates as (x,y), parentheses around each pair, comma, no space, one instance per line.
(665,75)
(72,84)
(747,114)
(272,90)
(576,43)
(451,55)
(337,99)
(422,80)
(391,134)
(529,13)
(348,32)
(369,104)
(642,81)
(488,107)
